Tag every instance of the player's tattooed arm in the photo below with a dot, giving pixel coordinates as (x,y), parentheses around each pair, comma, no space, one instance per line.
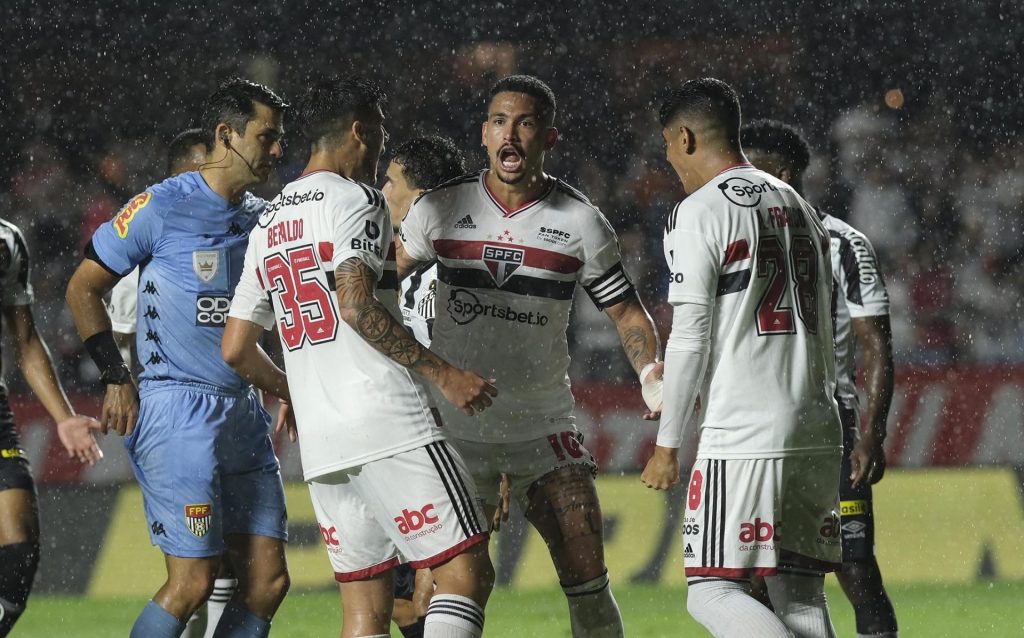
(636,331)
(362,311)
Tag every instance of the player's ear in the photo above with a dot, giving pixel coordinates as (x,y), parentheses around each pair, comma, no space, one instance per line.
(483,134)
(688,139)
(359,131)
(786,175)
(550,137)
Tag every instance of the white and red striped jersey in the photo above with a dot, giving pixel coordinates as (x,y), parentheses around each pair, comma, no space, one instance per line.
(505,284)
(746,244)
(860,292)
(352,404)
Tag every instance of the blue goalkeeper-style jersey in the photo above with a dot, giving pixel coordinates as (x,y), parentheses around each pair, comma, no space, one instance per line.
(189,243)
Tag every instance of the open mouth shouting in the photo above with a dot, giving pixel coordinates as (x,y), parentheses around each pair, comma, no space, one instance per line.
(511,159)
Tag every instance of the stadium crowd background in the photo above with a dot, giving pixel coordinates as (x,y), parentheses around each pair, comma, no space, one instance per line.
(914,120)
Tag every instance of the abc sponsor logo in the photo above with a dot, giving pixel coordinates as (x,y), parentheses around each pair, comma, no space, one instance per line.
(330,536)
(212,310)
(743,192)
(464,307)
(828,534)
(758,531)
(414,521)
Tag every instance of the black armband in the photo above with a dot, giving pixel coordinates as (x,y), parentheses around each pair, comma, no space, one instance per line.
(107,357)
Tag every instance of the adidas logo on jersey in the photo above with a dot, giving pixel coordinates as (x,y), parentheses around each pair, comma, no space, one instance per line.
(688,552)
(465,222)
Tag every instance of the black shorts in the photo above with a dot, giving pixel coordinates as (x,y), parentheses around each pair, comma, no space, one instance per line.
(405,581)
(14,470)
(855,503)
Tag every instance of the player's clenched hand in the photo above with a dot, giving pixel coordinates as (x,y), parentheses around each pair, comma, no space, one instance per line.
(120,408)
(501,513)
(867,460)
(662,471)
(76,435)
(468,391)
(286,419)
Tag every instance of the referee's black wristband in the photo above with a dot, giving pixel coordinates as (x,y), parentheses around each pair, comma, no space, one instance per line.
(107,357)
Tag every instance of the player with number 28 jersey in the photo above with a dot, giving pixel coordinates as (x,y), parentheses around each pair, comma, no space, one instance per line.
(748,244)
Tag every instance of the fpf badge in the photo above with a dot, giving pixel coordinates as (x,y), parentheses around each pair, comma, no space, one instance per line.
(198,518)
(127,214)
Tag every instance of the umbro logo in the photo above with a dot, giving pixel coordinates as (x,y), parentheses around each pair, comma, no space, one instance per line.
(465,222)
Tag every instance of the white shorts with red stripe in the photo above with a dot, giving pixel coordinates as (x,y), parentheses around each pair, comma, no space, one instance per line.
(418,507)
(747,517)
(525,463)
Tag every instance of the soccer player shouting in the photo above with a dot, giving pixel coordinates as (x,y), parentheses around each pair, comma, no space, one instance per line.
(511,244)
(751,286)
(861,316)
(383,481)
(200,450)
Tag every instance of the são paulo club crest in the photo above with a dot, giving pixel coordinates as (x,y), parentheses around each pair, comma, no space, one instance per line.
(502,261)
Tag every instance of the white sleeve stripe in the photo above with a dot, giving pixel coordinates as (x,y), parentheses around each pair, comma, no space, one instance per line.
(611,282)
(611,294)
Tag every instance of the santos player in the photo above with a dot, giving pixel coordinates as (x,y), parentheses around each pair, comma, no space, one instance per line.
(752,340)
(383,481)
(511,244)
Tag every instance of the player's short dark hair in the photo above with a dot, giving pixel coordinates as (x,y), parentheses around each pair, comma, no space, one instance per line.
(777,138)
(328,108)
(543,96)
(234,103)
(429,161)
(180,147)
(709,99)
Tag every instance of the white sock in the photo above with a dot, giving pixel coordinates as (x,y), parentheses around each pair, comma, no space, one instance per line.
(223,590)
(195,625)
(453,616)
(799,600)
(727,610)
(593,611)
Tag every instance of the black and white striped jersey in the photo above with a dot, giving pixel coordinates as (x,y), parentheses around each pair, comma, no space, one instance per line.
(15,290)
(747,246)
(417,300)
(505,284)
(860,292)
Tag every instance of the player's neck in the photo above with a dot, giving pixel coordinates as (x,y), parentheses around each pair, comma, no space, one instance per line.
(515,196)
(340,163)
(717,161)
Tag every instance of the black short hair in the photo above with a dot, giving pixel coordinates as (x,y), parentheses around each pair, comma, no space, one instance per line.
(328,108)
(543,96)
(707,98)
(777,138)
(234,103)
(429,161)
(179,148)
